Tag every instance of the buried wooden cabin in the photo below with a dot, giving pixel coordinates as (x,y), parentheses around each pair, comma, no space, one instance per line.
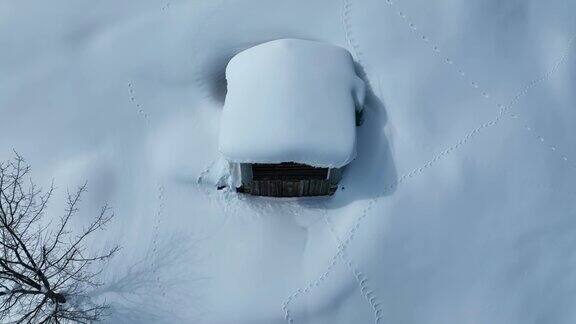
(288,126)
(288,179)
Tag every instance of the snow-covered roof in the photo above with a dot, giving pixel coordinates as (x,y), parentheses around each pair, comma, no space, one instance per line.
(291,100)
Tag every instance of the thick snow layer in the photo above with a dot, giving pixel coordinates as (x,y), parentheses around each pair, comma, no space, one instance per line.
(291,100)
(460,206)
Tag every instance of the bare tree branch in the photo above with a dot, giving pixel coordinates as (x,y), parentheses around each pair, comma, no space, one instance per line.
(45,272)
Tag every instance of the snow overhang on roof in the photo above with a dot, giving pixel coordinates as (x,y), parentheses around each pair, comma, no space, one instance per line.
(291,100)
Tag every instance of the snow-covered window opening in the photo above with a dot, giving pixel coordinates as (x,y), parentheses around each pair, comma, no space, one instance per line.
(289,121)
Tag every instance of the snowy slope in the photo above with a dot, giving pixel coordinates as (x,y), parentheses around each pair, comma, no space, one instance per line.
(460,207)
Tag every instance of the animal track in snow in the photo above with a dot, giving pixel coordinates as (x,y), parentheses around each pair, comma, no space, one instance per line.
(135,102)
(484,93)
(361,278)
(155,237)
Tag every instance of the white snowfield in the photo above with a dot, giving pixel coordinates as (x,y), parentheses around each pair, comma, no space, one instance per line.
(460,206)
(291,100)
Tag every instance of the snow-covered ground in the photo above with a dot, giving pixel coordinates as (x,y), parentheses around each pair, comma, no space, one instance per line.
(460,207)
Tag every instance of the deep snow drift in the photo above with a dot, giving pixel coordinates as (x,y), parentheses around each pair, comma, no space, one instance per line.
(459,207)
(291,100)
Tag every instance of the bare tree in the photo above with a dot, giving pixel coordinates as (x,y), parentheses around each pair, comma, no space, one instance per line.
(46,271)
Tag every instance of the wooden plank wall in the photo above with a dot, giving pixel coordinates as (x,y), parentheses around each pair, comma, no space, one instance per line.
(291,188)
(288,180)
(288,171)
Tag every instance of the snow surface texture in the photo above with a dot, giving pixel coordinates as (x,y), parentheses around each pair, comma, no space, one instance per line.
(459,208)
(291,100)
